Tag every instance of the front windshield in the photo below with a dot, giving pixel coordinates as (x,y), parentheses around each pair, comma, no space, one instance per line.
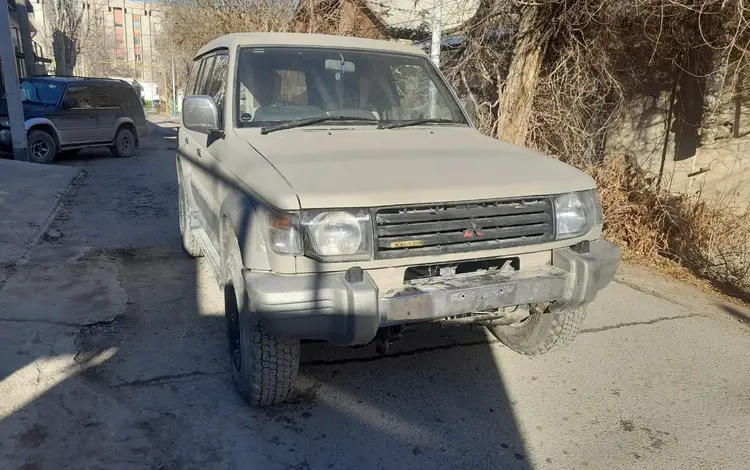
(38,91)
(280,84)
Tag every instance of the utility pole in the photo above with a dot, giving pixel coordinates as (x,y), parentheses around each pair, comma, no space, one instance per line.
(437,26)
(12,88)
(29,58)
(174,88)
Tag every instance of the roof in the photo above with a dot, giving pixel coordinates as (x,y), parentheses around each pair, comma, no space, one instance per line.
(67,80)
(232,41)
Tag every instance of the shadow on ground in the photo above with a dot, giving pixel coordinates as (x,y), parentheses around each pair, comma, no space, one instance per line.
(119,361)
(734,312)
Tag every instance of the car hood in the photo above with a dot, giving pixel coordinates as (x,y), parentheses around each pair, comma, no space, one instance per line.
(330,167)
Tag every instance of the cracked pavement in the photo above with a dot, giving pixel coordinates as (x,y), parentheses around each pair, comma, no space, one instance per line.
(112,355)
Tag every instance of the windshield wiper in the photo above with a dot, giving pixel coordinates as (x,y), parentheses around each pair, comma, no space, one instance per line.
(414,122)
(310,121)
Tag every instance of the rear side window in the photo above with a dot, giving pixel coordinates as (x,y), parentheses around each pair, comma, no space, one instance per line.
(79,96)
(106,97)
(130,97)
(122,96)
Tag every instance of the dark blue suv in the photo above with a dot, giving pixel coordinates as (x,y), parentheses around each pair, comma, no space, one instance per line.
(66,114)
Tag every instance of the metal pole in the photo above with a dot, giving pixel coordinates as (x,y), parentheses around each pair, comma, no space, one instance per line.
(12,88)
(26,44)
(174,89)
(437,25)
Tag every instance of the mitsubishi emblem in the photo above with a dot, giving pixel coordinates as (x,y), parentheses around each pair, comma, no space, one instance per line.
(473,231)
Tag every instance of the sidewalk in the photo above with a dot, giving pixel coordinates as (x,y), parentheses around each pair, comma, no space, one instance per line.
(29,193)
(164,120)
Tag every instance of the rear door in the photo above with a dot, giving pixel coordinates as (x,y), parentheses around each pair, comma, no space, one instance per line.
(106,100)
(78,123)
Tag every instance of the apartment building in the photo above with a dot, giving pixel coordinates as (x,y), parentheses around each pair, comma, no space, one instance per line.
(122,40)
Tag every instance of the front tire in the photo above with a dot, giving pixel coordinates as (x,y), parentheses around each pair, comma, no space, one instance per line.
(41,146)
(541,331)
(264,368)
(124,145)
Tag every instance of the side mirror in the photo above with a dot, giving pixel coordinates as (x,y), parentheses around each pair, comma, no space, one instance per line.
(470,108)
(200,114)
(70,103)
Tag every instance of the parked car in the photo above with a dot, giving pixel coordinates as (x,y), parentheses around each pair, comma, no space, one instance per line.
(340,192)
(67,114)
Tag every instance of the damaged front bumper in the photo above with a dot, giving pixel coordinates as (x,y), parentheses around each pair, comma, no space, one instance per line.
(348,309)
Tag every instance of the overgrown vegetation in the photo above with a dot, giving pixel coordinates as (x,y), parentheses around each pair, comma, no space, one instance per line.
(554,75)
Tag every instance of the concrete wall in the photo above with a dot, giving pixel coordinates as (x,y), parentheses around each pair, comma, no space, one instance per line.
(719,171)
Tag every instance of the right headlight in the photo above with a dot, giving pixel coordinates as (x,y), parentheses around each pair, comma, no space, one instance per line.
(338,235)
(575,213)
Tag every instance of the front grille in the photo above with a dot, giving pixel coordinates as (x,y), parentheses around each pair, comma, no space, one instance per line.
(470,226)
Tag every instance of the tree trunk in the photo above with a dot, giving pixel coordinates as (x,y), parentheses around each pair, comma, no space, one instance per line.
(534,33)
(713,88)
(714,68)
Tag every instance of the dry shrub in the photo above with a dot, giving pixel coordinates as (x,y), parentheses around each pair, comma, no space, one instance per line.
(671,231)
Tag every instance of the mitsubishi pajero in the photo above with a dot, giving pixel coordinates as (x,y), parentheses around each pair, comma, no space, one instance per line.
(340,192)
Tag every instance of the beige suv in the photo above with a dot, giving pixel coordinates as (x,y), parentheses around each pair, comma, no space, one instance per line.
(340,192)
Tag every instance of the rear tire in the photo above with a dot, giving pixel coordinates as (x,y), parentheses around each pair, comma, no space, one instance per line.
(41,146)
(541,331)
(264,368)
(124,145)
(189,242)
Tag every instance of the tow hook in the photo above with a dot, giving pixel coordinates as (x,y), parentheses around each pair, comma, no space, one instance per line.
(385,337)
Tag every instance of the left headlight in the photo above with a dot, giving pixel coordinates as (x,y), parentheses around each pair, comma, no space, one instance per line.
(575,213)
(338,235)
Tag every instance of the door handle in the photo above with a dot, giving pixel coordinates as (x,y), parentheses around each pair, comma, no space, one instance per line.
(186,140)
(199,153)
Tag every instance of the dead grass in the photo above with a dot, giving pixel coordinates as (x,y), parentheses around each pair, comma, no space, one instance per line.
(697,241)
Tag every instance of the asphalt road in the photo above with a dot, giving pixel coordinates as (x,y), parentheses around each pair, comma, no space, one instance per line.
(112,356)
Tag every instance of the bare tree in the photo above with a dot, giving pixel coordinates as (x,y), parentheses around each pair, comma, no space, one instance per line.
(66,30)
(190,24)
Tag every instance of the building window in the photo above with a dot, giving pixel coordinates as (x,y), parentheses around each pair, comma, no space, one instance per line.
(118,17)
(120,49)
(16,38)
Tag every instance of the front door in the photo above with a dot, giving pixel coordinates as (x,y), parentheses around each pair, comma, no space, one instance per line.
(78,122)
(200,149)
